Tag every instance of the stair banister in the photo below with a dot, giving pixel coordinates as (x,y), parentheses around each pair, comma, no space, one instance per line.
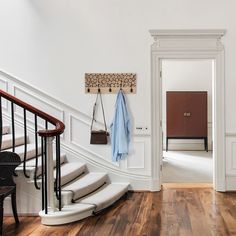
(47,137)
(59,126)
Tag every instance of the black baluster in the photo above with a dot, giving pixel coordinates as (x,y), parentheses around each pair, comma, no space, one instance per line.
(13,126)
(46,176)
(56,182)
(36,151)
(1,123)
(42,187)
(58,169)
(25,146)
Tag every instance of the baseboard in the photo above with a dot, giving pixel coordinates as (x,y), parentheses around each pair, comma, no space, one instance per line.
(186,185)
(155,185)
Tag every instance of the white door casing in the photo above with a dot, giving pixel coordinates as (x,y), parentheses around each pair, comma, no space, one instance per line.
(189,44)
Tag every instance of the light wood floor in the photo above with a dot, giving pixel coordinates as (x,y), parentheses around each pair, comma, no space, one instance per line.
(173,211)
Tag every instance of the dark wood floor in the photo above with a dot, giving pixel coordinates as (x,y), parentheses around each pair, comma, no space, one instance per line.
(173,211)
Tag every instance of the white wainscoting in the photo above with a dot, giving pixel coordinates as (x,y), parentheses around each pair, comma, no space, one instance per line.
(37,102)
(80,137)
(136,168)
(230,162)
(138,160)
(231,155)
(137,163)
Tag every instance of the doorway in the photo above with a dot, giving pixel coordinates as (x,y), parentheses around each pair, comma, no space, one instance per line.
(188,44)
(187,120)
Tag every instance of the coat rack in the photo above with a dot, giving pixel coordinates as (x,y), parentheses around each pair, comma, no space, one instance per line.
(110,82)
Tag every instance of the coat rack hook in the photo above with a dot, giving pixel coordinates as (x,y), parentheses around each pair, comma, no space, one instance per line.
(121,86)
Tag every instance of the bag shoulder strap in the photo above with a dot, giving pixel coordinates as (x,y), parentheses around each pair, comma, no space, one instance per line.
(94,111)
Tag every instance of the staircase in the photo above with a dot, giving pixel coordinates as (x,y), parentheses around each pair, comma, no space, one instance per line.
(68,191)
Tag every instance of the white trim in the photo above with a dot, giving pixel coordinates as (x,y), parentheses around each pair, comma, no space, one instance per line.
(102,165)
(230,153)
(46,103)
(61,112)
(189,44)
(5,102)
(230,134)
(41,93)
(215,33)
(76,144)
(142,165)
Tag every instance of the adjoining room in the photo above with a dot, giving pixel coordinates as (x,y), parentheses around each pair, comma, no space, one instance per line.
(187,121)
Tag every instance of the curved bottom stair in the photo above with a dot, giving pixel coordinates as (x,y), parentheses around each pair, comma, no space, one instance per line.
(83,193)
(87,206)
(105,196)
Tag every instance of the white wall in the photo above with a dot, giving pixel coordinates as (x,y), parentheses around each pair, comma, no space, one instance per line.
(51,44)
(56,42)
(187,75)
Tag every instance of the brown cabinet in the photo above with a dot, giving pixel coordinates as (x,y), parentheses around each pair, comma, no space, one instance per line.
(186,114)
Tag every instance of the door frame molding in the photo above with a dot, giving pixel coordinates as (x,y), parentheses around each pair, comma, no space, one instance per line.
(189,44)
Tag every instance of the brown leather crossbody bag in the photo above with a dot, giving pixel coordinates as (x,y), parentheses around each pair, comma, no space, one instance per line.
(99,136)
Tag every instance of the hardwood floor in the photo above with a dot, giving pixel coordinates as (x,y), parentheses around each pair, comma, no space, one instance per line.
(172,212)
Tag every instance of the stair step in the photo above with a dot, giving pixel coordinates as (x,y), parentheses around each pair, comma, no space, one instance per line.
(6,129)
(69,213)
(7,140)
(105,196)
(86,184)
(70,171)
(20,150)
(30,164)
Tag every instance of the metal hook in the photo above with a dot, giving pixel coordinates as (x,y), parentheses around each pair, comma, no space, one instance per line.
(131,88)
(121,86)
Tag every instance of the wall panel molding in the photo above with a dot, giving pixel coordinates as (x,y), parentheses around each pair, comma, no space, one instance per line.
(87,149)
(19,82)
(132,162)
(231,156)
(4,86)
(109,169)
(37,101)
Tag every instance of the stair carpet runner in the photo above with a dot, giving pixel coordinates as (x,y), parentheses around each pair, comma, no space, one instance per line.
(81,190)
